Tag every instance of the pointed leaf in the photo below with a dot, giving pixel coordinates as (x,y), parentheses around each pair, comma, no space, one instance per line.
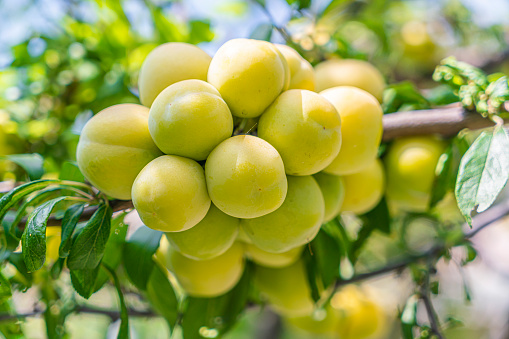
(69,222)
(5,288)
(166,303)
(14,196)
(88,248)
(114,248)
(37,199)
(83,281)
(483,172)
(33,240)
(138,252)
(31,163)
(70,171)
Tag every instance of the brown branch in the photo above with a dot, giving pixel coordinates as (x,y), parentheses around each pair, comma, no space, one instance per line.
(113,315)
(445,121)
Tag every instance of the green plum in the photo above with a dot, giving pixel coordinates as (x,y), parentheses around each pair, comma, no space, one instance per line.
(170,194)
(350,72)
(211,237)
(249,74)
(295,223)
(287,289)
(268,259)
(305,128)
(114,146)
(411,164)
(361,129)
(363,190)
(207,278)
(246,177)
(189,118)
(170,63)
(333,191)
(302,74)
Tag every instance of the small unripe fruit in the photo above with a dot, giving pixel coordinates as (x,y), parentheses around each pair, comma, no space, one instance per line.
(322,322)
(363,190)
(211,237)
(189,119)
(305,128)
(333,191)
(411,164)
(359,316)
(287,289)
(293,224)
(361,129)
(350,72)
(170,63)
(249,74)
(246,177)
(302,74)
(268,259)
(114,147)
(207,278)
(170,194)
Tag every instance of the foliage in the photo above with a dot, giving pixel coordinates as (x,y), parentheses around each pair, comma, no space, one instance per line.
(88,66)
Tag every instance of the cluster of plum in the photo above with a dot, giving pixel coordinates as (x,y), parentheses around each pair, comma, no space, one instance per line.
(245,154)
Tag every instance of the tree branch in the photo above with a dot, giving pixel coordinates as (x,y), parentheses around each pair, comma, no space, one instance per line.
(113,315)
(426,299)
(480,221)
(445,121)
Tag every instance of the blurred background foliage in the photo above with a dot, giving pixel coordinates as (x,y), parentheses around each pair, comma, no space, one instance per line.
(61,61)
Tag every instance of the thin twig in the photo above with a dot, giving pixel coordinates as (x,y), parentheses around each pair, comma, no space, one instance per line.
(426,299)
(113,315)
(480,221)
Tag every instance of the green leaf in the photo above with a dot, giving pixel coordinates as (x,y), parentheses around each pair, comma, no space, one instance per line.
(5,288)
(14,196)
(70,171)
(326,254)
(376,219)
(16,259)
(216,315)
(483,172)
(444,181)
(403,96)
(83,281)
(114,248)
(33,240)
(165,303)
(336,229)
(200,31)
(31,163)
(262,32)
(38,198)
(57,268)
(123,332)
(88,248)
(69,222)
(138,252)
